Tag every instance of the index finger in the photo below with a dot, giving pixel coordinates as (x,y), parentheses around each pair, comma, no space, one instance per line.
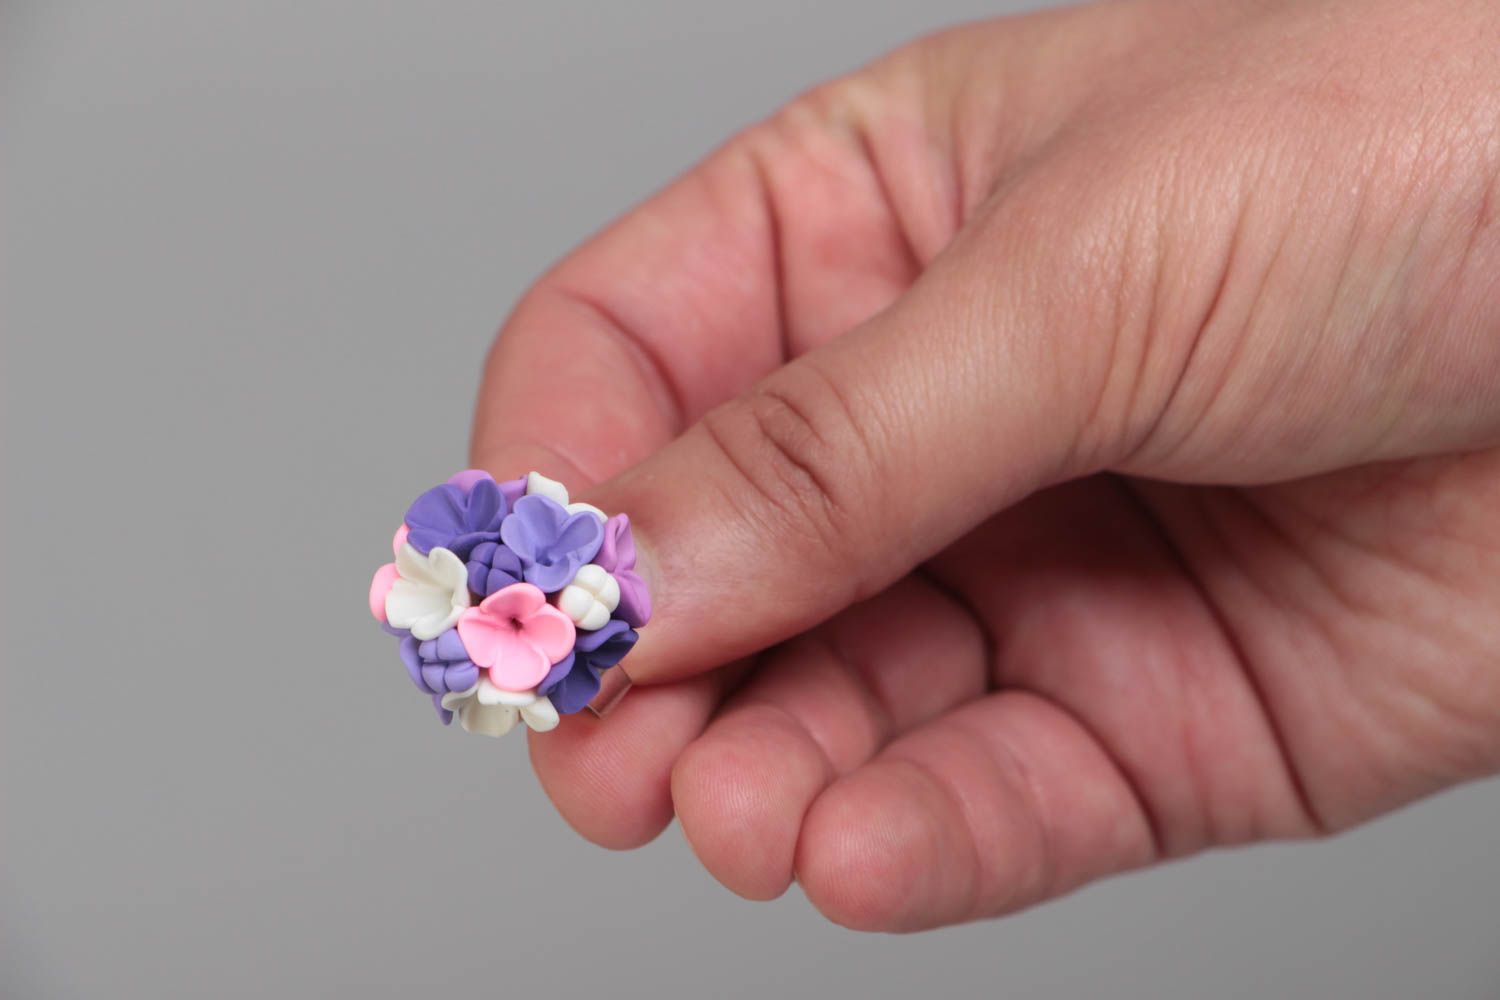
(625,341)
(782,239)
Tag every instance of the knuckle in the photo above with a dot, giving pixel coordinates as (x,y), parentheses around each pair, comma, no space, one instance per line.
(798,457)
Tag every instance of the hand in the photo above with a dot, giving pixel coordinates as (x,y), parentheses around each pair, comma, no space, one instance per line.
(1068,443)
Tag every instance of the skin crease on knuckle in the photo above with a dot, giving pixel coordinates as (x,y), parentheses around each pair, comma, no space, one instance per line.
(1217,223)
(804,459)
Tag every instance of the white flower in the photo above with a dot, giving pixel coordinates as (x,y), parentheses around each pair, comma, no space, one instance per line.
(429,593)
(490,711)
(590,598)
(538,484)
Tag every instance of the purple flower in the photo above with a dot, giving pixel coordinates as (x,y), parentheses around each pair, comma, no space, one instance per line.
(573,682)
(551,543)
(457,518)
(617,556)
(466,479)
(439,666)
(492,566)
(511,489)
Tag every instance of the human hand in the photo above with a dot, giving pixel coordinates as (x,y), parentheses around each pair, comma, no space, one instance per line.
(1068,443)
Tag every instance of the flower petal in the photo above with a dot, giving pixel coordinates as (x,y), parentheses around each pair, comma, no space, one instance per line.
(438,567)
(617,551)
(574,601)
(513,490)
(576,507)
(443,583)
(539,485)
(532,526)
(449,647)
(590,578)
(554,676)
(488,694)
(520,666)
(379,587)
(550,631)
(607,646)
(435,517)
(519,601)
(407,650)
(432,676)
(461,677)
(550,576)
(576,690)
(483,635)
(488,720)
(412,565)
(486,507)
(409,604)
(457,699)
(431,594)
(635,598)
(447,568)
(582,607)
(581,535)
(466,479)
(540,715)
(608,592)
(492,566)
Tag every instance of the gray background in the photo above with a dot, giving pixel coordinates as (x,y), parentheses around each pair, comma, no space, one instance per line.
(225,229)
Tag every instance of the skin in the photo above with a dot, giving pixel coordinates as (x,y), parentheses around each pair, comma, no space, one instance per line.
(1069,443)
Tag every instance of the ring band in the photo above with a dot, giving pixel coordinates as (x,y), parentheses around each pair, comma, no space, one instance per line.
(613,686)
(512,603)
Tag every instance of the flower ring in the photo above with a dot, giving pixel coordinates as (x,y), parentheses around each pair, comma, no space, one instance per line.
(511,602)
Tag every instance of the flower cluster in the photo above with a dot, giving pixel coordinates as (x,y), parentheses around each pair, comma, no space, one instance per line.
(509,601)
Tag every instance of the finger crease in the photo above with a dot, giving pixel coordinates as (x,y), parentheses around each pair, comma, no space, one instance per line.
(773,236)
(1148,816)
(642,354)
(874,698)
(945,787)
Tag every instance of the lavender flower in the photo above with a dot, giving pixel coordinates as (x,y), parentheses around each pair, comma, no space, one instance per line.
(551,543)
(617,556)
(573,682)
(438,666)
(492,566)
(452,517)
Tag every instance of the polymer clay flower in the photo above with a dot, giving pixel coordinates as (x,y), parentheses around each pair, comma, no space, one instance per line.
(457,518)
(590,598)
(429,592)
(551,543)
(385,577)
(516,635)
(555,591)
(617,556)
(438,667)
(492,711)
(573,683)
(539,485)
(492,566)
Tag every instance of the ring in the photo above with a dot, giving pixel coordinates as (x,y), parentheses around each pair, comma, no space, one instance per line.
(511,603)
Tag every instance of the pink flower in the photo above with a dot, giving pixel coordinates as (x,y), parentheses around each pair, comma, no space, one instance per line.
(385,578)
(517,635)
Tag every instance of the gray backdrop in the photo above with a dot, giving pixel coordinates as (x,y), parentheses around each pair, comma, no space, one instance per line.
(222,223)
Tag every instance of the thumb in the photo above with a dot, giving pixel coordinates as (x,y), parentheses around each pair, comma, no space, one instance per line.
(843,470)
